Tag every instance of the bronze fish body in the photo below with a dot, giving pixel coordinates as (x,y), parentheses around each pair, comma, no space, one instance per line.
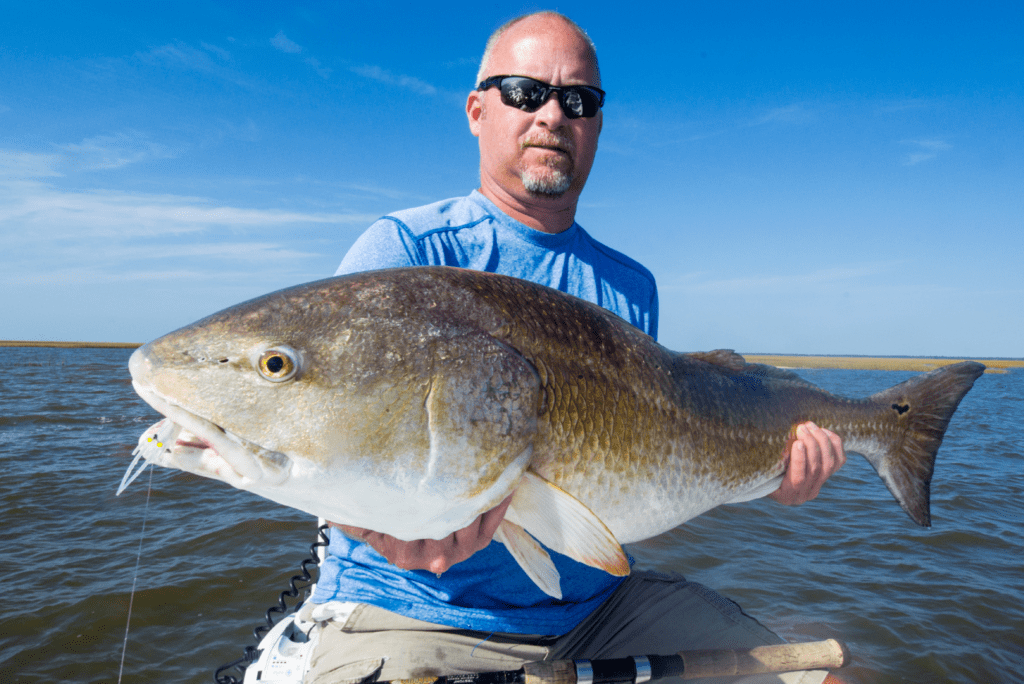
(409,401)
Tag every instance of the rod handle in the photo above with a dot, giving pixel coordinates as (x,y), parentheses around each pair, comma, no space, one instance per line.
(812,655)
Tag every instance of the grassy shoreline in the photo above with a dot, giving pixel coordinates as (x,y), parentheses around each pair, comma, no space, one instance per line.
(890,363)
(782,360)
(70,345)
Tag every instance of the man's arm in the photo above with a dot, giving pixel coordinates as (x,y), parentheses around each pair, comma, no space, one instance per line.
(815,456)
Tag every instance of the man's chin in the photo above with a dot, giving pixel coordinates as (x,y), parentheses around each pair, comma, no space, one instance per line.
(550,185)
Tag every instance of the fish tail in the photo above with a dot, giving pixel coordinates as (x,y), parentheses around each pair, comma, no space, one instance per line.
(921,409)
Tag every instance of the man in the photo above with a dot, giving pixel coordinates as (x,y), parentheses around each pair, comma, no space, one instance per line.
(395,609)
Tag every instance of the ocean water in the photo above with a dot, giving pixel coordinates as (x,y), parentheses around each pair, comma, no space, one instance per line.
(944,604)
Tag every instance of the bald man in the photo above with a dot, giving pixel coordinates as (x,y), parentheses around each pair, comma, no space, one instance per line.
(392,609)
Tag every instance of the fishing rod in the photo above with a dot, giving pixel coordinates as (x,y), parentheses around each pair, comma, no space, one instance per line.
(814,655)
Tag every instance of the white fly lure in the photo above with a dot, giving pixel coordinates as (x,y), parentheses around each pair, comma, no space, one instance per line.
(159,438)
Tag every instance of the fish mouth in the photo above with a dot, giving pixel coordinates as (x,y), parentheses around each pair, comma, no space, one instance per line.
(190,442)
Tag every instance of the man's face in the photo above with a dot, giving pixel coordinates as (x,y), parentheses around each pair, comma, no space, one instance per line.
(541,155)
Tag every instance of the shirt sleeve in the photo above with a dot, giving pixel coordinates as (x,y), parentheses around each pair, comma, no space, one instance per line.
(387,243)
(652,325)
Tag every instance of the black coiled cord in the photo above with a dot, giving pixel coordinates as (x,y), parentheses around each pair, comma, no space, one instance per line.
(252,653)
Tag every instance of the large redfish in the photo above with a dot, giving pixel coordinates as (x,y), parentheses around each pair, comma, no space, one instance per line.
(409,401)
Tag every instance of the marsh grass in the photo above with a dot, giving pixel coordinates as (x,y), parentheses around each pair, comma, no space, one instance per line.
(891,363)
(70,345)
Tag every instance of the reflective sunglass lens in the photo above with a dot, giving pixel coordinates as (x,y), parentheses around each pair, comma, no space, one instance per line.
(572,102)
(529,95)
(521,93)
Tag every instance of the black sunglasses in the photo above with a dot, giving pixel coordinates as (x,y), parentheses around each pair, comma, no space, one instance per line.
(530,95)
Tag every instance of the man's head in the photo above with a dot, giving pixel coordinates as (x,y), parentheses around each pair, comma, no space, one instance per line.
(500,31)
(539,158)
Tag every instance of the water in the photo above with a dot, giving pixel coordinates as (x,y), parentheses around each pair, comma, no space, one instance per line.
(944,604)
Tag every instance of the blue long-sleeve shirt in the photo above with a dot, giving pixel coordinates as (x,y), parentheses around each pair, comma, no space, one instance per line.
(487,592)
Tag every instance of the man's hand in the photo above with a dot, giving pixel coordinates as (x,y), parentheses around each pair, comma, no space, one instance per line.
(815,456)
(435,555)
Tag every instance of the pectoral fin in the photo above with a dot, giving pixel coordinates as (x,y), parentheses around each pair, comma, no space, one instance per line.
(561,522)
(531,556)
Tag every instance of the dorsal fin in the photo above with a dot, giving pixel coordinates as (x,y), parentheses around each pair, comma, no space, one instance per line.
(727,358)
(765,371)
(730,360)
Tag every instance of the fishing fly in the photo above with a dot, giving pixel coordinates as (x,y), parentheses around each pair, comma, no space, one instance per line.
(158,438)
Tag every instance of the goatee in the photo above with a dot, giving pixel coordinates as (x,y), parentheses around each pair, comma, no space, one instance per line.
(551,183)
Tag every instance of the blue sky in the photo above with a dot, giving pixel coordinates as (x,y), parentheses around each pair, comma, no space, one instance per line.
(819,178)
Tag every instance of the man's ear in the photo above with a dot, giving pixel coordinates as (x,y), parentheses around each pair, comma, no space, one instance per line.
(474,111)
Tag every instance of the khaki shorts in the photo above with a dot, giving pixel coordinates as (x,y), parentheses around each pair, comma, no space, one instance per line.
(649,613)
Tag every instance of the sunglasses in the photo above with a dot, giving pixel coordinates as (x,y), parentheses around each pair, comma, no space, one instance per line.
(530,95)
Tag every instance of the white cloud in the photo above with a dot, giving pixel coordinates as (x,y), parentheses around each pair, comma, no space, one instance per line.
(108,263)
(183,56)
(315,63)
(285,44)
(385,76)
(18,166)
(926,150)
(109,213)
(795,113)
(139,262)
(247,130)
(391,193)
(713,128)
(35,209)
(95,153)
(178,55)
(114,151)
(219,51)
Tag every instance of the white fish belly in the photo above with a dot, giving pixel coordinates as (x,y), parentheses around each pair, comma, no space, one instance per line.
(408,508)
(636,508)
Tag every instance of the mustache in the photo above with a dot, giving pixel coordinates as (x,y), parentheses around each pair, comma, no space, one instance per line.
(562,142)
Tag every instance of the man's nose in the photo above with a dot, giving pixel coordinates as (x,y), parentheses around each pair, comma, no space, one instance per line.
(550,113)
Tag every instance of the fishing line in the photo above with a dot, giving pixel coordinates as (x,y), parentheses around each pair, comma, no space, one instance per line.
(138,559)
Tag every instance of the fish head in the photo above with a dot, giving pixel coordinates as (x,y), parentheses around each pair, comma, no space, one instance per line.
(350,400)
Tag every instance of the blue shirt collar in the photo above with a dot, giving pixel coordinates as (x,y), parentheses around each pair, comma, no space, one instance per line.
(537,237)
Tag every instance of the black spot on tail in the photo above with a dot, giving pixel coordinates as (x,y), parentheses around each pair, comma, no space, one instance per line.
(923,406)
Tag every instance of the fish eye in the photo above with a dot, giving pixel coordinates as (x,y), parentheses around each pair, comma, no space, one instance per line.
(278,364)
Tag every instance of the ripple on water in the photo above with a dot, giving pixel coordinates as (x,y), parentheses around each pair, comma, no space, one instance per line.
(915,605)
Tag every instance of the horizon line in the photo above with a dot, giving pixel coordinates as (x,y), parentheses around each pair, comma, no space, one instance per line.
(775,359)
